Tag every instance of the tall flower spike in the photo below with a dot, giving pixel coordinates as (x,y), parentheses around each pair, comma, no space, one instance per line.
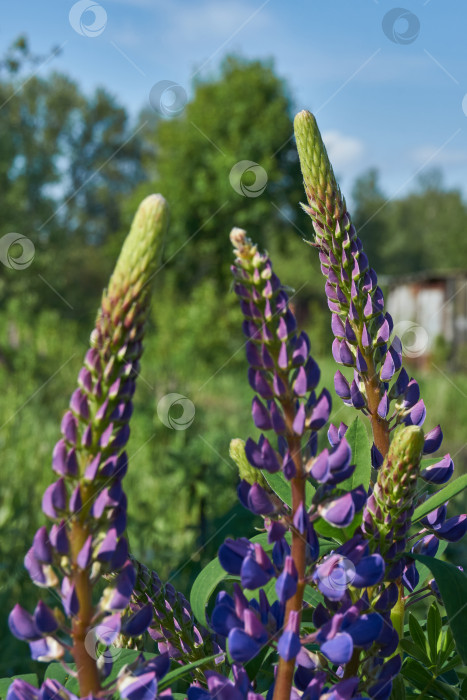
(362,330)
(87,504)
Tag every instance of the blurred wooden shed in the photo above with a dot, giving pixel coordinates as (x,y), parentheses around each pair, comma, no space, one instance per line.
(429,310)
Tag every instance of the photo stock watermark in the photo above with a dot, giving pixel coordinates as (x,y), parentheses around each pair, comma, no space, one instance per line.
(16,251)
(248,178)
(176,411)
(167,98)
(88,18)
(401,26)
(413,337)
(341,574)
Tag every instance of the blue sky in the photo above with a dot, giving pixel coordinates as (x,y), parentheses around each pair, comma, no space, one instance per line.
(391,100)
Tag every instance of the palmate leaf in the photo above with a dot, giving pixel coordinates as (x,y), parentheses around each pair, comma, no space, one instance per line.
(452,585)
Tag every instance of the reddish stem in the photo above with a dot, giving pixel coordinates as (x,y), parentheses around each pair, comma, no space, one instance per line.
(88,676)
(286,669)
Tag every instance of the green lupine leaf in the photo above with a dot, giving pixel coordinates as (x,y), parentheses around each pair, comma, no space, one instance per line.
(5,683)
(203,587)
(417,633)
(398,689)
(440,497)
(452,585)
(414,650)
(279,484)
(181,671)
(423,680)
(434,630)
(357,437)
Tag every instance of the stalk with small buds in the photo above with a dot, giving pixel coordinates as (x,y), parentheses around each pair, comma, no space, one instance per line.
(86,504)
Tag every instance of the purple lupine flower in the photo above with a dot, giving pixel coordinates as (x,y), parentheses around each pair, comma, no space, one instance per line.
(361,327)
(87,504)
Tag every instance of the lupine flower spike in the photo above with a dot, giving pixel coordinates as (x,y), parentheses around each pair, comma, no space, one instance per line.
(86,504)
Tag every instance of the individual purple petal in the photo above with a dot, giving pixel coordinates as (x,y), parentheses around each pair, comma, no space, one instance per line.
(411,390)
(346,355)
(259,501)
(320,469)
(356,396)
(242,648)
(369,571)
(376,457)
(300,519)
(44,619)
(261,417)
(22,624)
(83,559)
(59,537)
(123,588)
(286,584)
(360,362)
(252,355)
(417,415)
(69,427)
(288,466)
(232,553)
(54,498)
(69,598)
(282,358)
(76,502)
(260,384)
(289,645)
(435,518)
(299,420)
(349,332)
(108,630)
(278,386)
(339,512)
(337,326)
(277,419)
(79,405)
(341,385)
(108,546)
(339,649)
(252,574)
(262,456)
(365,630)
(254,627)
(383,333)
(300,385)
(142,687)
(388,368)
(439,473)
(59,457)
(366,339)
(427,545)
(433,441)
(453,529)
(383,406)
(42,546)
(321,411)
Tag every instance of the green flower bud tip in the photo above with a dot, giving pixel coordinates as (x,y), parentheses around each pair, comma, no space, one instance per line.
(140,253)
(407,446)
(245,470)
(320,183)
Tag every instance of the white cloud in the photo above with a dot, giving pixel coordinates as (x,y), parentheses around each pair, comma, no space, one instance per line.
(343,151)
(432,154)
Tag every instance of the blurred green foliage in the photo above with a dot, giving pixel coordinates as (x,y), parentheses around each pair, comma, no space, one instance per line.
(73,170)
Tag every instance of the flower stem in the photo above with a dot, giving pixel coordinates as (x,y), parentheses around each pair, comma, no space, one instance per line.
(286,669)
(379,426)
(88,676)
